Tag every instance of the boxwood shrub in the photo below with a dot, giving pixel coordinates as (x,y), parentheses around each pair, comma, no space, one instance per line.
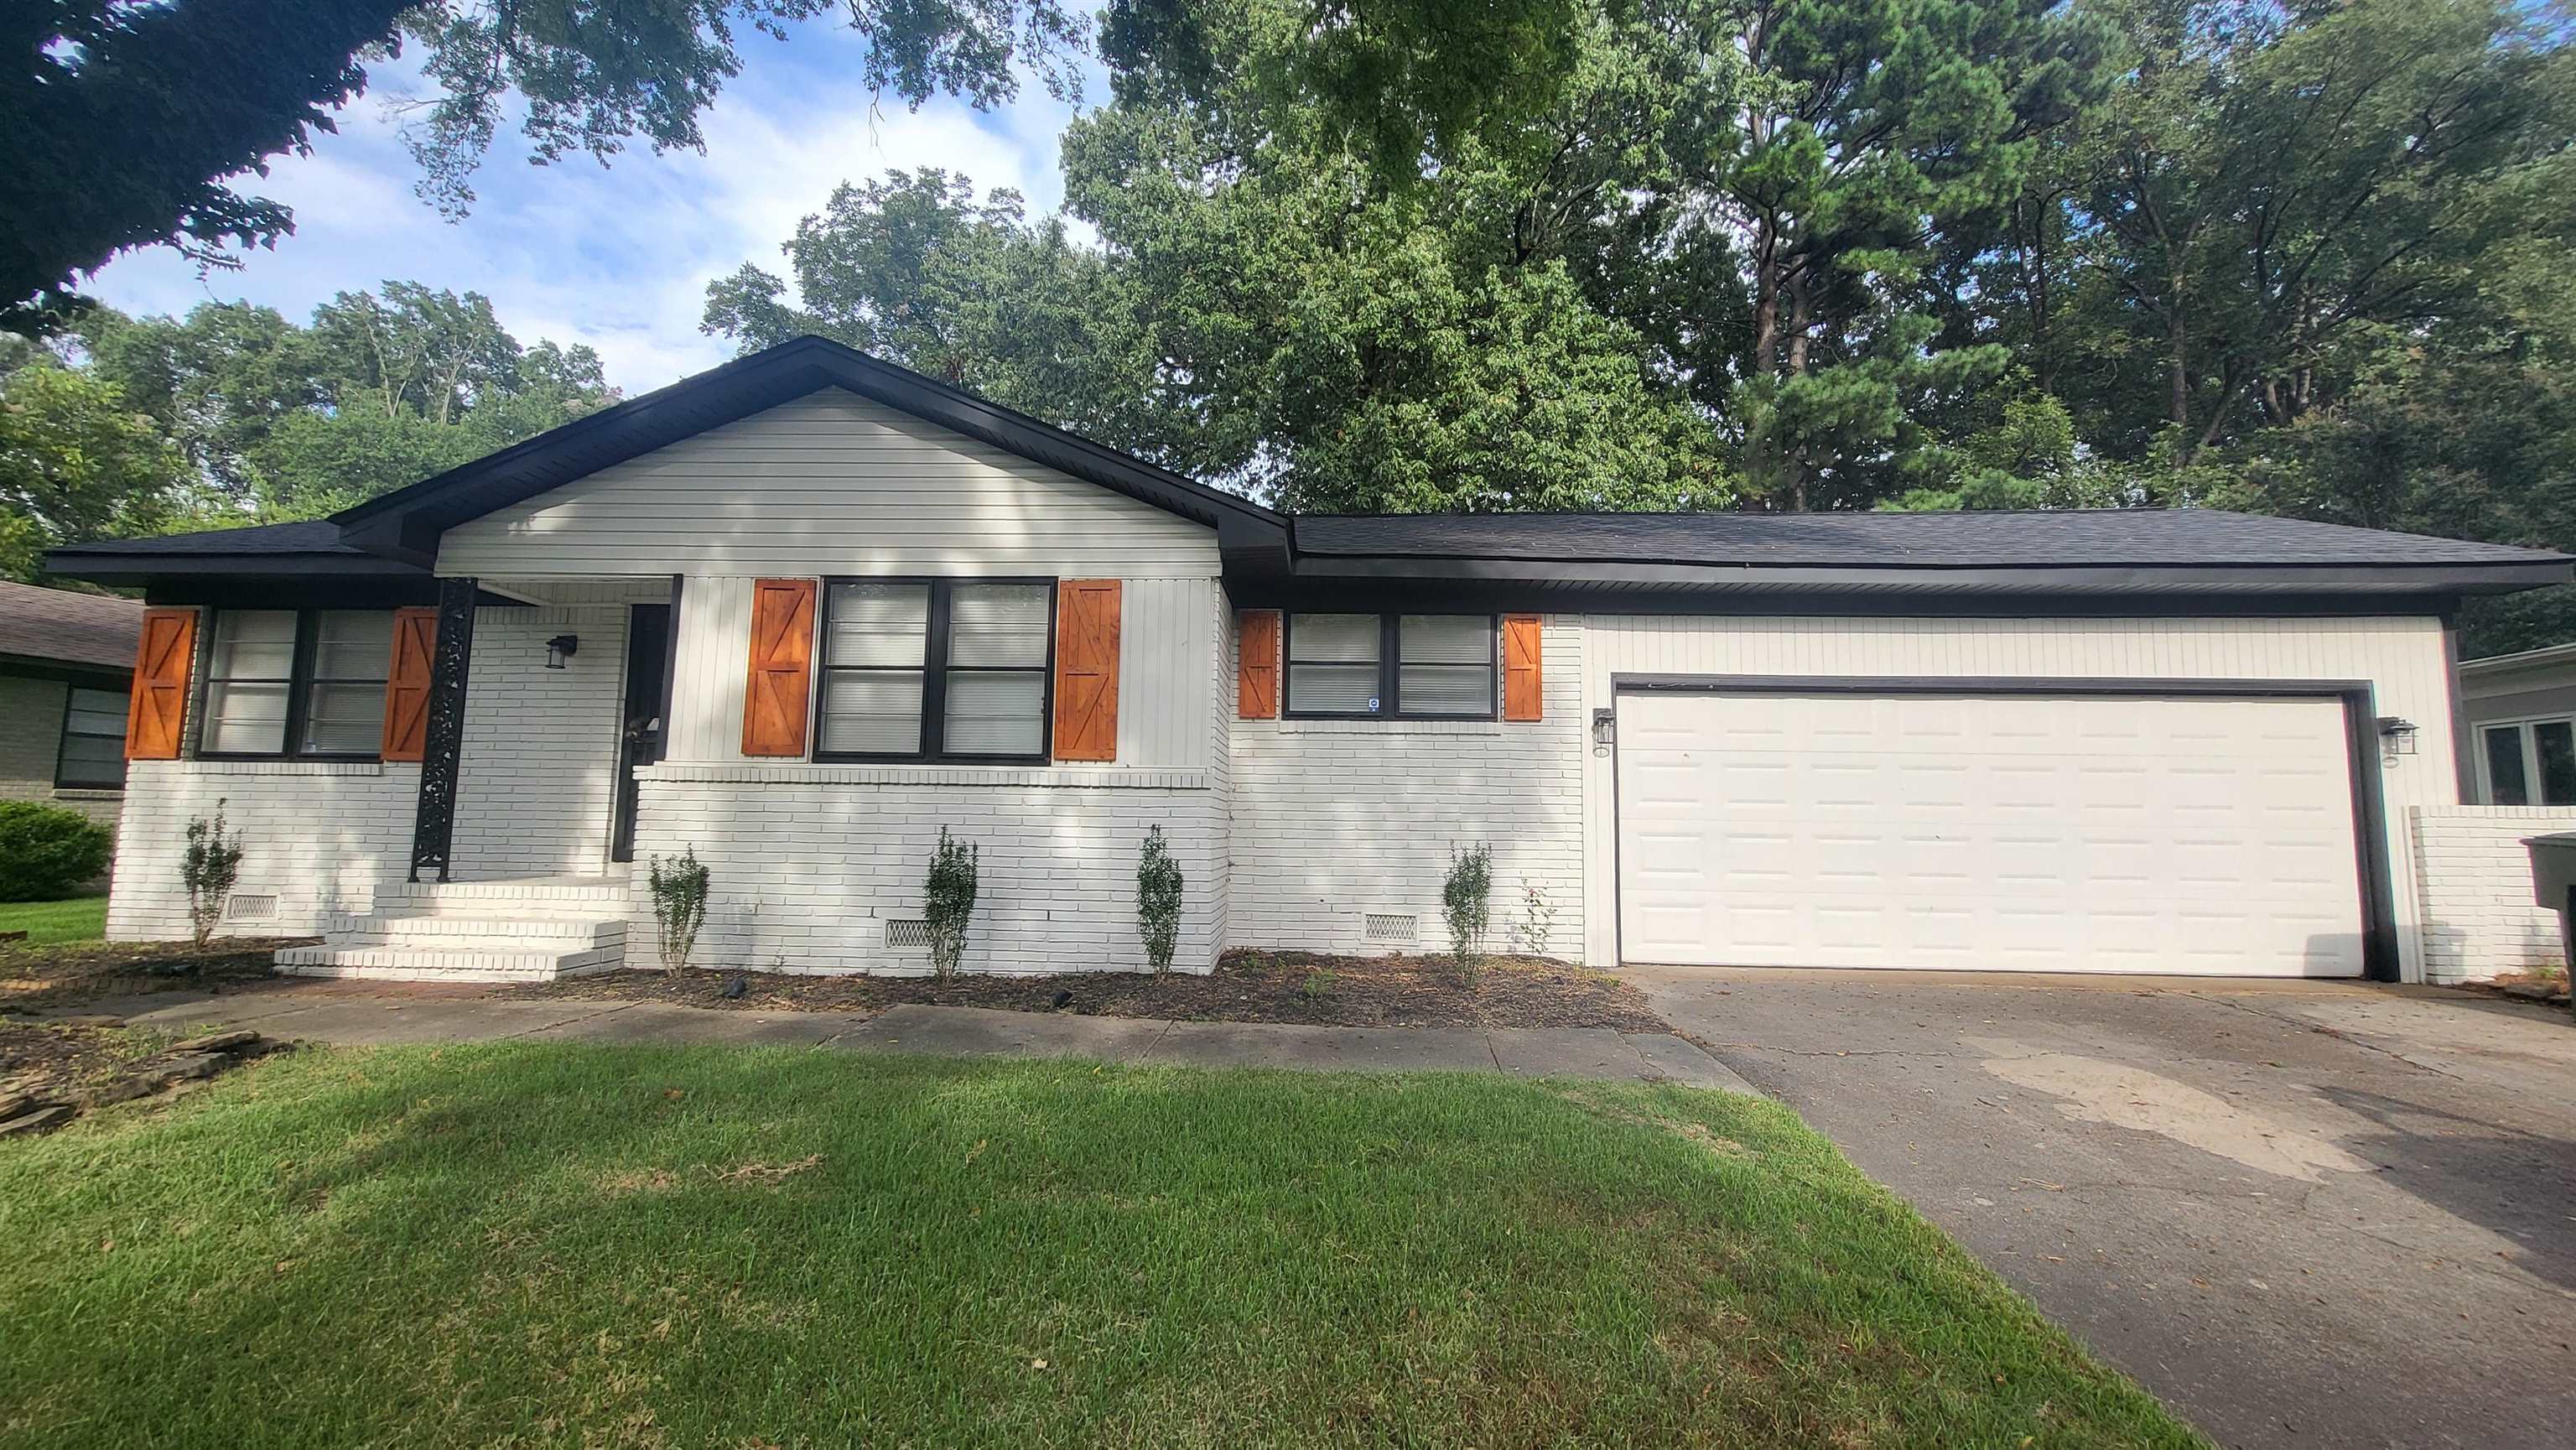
(47,852)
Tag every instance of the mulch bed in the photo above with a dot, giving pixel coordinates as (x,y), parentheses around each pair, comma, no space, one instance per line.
(68,974)
(1247,986)
(51,1071)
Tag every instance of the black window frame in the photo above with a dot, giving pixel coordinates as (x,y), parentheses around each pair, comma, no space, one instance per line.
(2528,758)
(934,672)
(299,689)
(1390,666)
(62,744)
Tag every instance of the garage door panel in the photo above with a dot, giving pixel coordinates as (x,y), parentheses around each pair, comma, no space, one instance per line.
(1999,832)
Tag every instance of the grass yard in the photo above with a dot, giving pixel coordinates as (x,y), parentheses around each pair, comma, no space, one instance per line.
(82,918)
(518,1244)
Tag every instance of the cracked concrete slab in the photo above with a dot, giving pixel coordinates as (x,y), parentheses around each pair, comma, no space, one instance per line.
(2102,1142)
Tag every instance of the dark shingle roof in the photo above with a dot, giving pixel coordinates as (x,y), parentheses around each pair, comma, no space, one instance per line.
(57,624)
(309,536)
(2074,538)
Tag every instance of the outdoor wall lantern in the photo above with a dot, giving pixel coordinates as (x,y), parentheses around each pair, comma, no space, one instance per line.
(2396,736)
(1605,729)
(561,648)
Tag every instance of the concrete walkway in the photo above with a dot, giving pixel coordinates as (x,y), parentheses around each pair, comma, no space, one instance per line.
(356,1014)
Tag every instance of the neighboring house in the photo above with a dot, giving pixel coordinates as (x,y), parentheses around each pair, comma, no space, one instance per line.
(2521,712)
(802,611)
(65,660)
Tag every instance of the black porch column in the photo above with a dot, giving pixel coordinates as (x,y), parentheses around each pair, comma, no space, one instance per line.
(433,828)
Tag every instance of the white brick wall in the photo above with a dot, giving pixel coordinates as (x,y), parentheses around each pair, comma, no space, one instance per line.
(1338,819)
(807,862)
(538,768)
(324,839)
(2475,880)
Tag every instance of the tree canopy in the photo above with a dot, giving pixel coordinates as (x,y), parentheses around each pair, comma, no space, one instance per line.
(234,414)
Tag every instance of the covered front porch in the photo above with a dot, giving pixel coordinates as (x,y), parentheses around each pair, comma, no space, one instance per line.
(538,699)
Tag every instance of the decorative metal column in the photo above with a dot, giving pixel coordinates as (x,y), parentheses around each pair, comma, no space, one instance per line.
(433,827)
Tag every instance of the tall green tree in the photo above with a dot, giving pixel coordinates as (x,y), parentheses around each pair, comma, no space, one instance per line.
(384,388)
(76,464)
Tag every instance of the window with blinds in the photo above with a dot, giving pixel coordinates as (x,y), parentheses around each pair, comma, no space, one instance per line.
(1404,666)
(282,682)
(93,748)
(936,669)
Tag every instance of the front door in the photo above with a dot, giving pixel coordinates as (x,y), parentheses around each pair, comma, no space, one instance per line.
(648,660)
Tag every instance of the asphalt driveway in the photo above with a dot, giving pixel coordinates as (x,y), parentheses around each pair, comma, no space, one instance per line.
(2302,1213)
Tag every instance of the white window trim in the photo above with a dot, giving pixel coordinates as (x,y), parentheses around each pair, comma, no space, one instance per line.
(2530,752)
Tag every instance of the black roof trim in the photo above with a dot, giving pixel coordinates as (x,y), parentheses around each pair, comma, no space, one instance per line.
(406,523)
(2016,580)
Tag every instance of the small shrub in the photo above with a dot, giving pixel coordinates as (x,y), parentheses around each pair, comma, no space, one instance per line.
(46,852)
(1158,901)
(1538,920)
(1318,985)
(210,870)
(679,886)
(948,902)
(1466,904)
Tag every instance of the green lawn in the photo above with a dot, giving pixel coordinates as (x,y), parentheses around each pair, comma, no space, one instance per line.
(705,1246)
(82,918)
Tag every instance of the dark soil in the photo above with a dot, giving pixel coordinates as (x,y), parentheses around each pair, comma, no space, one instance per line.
(68,974)
(1247,986)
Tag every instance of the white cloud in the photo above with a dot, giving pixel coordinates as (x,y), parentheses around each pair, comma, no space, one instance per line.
(617,258)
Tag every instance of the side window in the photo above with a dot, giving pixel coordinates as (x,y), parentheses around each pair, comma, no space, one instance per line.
(1447,664)
(2531,763)
(93,749)
(1403,666)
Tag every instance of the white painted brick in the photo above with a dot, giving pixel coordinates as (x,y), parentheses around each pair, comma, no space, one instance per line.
(2474,881)
(1334,819)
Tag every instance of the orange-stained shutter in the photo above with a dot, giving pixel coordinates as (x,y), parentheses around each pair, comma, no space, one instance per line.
(781,682)
(156,713)
(1086,669)
(407,684)
(1520,667)
(1256,673)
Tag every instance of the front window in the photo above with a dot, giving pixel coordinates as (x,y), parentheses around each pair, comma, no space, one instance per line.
(936,670)
(2529,762)
(93,749)
(285,682)
(1408,666)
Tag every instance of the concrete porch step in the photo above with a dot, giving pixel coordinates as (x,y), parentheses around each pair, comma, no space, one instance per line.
(448,964)
(552,933)
(543,896)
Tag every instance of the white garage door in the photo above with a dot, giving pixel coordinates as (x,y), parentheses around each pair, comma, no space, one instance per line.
(1993,833)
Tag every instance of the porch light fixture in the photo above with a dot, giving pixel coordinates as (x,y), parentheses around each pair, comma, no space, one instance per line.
(561,648)
(1605,729)
(2396,736)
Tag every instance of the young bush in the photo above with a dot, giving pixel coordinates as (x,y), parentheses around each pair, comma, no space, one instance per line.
(46,852)
(210,870)
(1466,903)
(948,901)
(679,886)
(1158,901)
(1538,920)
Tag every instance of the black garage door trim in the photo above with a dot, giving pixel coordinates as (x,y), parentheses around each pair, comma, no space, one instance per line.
(2361,732)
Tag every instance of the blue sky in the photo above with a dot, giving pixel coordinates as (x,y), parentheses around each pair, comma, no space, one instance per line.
(617,258)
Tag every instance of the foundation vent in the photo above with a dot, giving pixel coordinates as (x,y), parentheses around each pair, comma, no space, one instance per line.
(907,934)
(1391,929)
(250,906)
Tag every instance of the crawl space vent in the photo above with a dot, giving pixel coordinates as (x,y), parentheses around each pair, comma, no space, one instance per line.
(1389,928)
(249,906)
(907,933)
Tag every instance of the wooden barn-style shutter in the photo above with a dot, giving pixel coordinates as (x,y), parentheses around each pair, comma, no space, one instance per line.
(407,684)
(1086,669)
(1256,672)
(780,686)
(1521,679)
(156,713)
